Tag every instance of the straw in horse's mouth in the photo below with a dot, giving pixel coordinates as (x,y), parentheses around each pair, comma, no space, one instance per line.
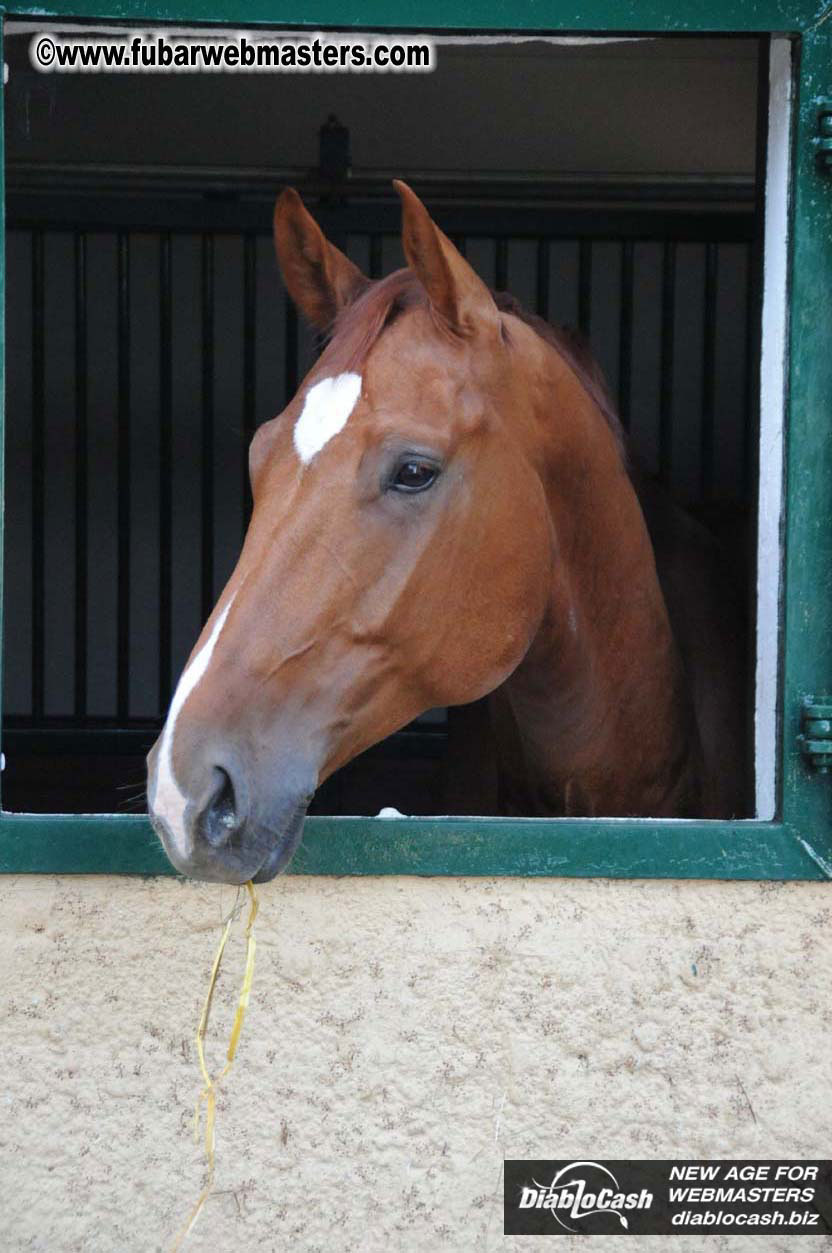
(278,858)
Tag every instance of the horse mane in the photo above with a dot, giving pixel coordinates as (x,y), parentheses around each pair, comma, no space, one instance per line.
(359,326)
(574,349)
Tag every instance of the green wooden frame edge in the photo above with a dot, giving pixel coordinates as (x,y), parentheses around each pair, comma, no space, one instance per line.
(561,847)
(593,16)
(528,847)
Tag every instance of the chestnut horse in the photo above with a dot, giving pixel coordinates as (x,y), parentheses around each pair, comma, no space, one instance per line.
(444,512)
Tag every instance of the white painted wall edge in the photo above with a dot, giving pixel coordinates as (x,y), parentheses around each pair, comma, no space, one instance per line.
(773,364)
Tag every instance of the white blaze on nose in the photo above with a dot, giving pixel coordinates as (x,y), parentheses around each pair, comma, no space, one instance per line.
(325,411)
(168,800)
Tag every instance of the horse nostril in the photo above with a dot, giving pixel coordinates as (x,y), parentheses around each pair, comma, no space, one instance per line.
(219,819)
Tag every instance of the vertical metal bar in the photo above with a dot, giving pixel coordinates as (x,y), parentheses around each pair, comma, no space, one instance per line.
(38,476)
(123,476)
(165,469)
(754,262)
(625,336)
(585,287)
(749,454)
(376,264)
(81,476)
(207,545)
(706,440)
(249,360)
(668,336)
(542,292)
(291,350)
(500,264)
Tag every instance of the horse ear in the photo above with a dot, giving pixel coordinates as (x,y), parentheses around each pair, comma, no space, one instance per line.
(456,292)
(318,277)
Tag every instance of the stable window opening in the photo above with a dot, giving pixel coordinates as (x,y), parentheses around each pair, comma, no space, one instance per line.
(149,336)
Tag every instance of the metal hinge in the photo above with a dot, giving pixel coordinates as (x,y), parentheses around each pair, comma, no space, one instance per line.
(823,138)
(815,737)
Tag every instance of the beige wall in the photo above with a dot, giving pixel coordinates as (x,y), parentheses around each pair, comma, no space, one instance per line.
(404,1036)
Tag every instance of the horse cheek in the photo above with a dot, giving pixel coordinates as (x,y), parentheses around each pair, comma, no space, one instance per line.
(496,611)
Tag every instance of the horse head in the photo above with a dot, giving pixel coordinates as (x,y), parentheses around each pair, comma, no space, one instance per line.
(397,557)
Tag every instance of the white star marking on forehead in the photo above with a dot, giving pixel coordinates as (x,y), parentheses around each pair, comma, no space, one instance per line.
(325,411)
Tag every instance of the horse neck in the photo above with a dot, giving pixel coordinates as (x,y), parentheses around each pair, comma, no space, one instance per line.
(597,719)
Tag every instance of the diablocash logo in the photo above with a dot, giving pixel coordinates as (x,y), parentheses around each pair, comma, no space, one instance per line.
(576,1193)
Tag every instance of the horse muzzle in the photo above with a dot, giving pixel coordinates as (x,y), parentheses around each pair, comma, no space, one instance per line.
(226,825)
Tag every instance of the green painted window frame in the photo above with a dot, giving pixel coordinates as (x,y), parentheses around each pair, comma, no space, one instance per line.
(797,844)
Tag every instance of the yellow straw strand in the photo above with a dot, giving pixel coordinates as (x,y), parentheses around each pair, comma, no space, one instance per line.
(194,1215)
(245,990)
(209,1090)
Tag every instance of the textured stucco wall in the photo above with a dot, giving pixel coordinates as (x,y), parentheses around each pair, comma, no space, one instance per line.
(404,1036)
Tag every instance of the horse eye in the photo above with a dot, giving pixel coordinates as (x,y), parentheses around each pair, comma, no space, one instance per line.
(414,475)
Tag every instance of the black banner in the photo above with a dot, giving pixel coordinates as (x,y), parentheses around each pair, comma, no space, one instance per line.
(684,1197)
